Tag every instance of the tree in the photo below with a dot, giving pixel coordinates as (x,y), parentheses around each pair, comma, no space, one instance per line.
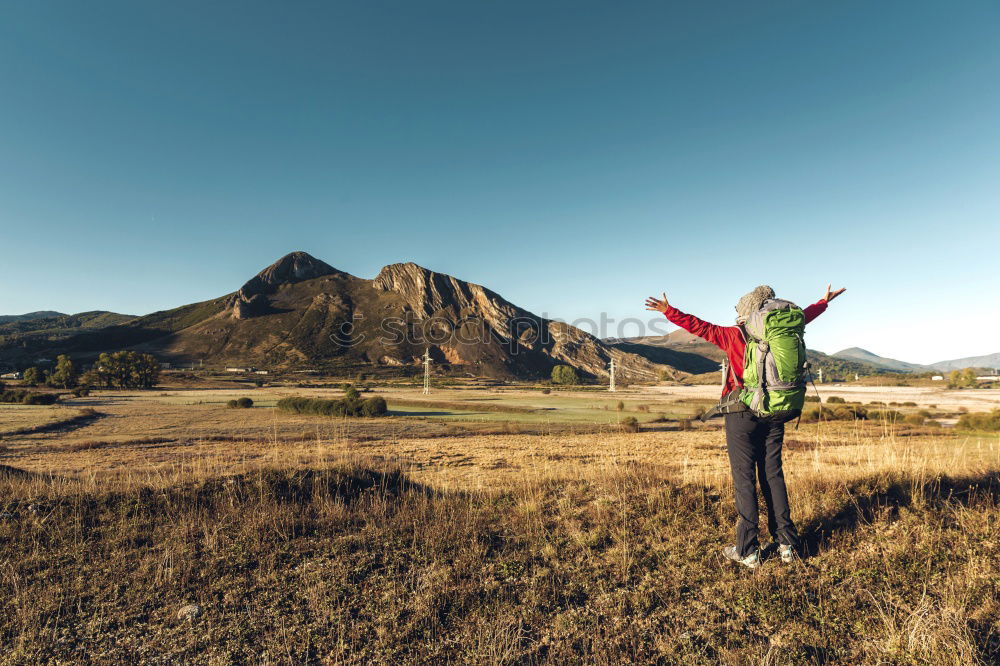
(91,378)
(127,369)
(565,375)
(32,376)
(969,377)
(65,373)
(146,370)
(954,379)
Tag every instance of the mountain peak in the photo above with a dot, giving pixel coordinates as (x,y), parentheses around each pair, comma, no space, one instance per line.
(855,350)
(393,275)
(293,267)
(865,356)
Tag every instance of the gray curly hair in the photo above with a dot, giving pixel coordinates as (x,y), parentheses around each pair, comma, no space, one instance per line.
(751,302)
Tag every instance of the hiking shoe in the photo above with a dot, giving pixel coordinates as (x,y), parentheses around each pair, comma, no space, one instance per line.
(787,554)
(751,561)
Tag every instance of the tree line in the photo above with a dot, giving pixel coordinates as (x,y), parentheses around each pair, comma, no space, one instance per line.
(963,378)
(121,369)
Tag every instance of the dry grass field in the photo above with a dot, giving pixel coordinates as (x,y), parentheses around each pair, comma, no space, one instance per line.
(483,526)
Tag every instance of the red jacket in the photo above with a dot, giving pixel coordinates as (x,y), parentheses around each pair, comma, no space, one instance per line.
(729,338)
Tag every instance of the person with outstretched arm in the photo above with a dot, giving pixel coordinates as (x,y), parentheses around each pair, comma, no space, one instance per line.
(753,440)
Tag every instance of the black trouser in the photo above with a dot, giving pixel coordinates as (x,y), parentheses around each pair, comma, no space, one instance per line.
(754,445)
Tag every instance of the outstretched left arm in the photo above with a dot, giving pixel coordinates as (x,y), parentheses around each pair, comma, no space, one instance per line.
(819,307)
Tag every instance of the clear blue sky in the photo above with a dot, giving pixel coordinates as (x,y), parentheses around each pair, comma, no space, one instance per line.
(575,156)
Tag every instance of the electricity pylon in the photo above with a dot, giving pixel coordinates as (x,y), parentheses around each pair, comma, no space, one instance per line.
(427,371)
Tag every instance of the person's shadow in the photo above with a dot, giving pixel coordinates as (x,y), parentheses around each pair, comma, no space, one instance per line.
(866,504)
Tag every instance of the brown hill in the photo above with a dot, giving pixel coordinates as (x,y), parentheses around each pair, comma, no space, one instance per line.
(302,312)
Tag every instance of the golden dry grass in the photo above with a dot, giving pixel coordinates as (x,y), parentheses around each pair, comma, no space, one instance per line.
(19,417)
(310,540)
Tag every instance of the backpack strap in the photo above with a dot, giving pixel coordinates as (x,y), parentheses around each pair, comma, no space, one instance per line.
(729,404)
(763,349)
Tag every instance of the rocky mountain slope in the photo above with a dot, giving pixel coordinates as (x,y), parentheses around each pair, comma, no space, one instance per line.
(302,312)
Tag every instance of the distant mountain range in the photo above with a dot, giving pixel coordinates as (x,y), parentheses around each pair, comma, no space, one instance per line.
(693,347)
(987,361)
(864,356)
(41,314)
(53,321)
(300,312)
(847,361)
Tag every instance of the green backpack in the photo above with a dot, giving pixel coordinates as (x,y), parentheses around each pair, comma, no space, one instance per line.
(774,370)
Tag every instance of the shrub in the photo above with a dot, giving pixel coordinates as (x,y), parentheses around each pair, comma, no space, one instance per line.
(39,399)
(546,391)
(884,415)
(351,393)
(914,419)
(374,406)
(564,375)
(909,403)
(989,421)
(835,400)
(81,391)
(812,414)
(630,424)
(620,406)
(812,398)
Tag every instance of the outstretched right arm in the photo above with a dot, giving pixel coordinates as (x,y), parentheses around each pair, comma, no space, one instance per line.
(720,336)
